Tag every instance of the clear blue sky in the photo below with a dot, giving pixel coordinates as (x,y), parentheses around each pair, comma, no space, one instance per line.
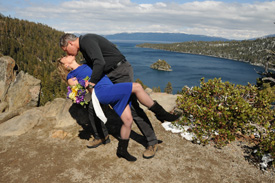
(224,18)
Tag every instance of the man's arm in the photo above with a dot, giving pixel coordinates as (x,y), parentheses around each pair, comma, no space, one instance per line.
(93,51)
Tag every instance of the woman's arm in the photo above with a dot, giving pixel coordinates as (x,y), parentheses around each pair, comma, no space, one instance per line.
(72,81)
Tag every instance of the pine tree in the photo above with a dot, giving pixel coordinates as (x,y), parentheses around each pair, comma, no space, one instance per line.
(168,89)
(33,47)
(156,89)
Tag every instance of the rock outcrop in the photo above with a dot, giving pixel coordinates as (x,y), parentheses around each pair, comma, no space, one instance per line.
(58,111)
(7,75)
(19,95)
(23,92)
(21,124)
(18,92)
(19,111)
(161,65)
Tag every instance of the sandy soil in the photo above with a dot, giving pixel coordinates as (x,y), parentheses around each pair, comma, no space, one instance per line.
(38,157)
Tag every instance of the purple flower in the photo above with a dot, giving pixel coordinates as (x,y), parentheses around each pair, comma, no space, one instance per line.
(79,96)
(77,100)
(81,82)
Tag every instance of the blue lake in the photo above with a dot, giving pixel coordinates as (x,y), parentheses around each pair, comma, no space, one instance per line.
(188,69)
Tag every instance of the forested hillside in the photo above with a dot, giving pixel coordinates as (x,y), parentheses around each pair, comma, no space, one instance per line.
(253,51)
(34,47)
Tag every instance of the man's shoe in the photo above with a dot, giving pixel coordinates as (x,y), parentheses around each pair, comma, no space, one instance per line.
(106,140)
(150,151)
(97,142)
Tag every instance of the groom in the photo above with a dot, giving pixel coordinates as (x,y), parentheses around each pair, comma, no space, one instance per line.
(104,58)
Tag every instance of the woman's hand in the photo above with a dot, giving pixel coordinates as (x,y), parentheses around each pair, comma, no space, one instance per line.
(86,83)
(72,81)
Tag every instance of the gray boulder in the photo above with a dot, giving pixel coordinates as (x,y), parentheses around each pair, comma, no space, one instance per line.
(18,92)
(21,124)
(57,111)
(23,92)
(19,100)
(7,75)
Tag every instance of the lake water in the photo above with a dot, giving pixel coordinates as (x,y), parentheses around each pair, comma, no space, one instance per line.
(188,69)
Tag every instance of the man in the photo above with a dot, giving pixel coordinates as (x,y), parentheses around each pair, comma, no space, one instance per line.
(104,58)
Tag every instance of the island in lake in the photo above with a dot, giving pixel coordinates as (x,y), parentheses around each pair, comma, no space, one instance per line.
(161,65)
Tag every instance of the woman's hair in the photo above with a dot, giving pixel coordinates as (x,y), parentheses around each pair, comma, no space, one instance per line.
(62,71)
(63,42)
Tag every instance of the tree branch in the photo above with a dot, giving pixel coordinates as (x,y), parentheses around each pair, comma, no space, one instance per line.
(269,78)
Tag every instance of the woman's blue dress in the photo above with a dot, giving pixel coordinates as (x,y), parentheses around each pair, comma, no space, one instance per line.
(117,95)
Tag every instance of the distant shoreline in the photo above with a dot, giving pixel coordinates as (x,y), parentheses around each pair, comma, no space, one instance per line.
(255,64)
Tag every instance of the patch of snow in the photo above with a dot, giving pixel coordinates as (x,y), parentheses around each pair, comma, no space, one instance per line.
(183,130)
(265,160)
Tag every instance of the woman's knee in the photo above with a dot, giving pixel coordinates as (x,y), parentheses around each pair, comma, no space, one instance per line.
(128,124)
(137,87)
(128,120)
(126,117)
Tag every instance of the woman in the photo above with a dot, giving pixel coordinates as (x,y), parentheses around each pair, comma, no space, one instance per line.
(118,96)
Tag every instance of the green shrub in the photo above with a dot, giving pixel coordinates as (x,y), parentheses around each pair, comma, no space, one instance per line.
(218,111)
(267,140)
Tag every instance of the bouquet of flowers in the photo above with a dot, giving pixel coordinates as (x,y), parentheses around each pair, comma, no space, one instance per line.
(77,92)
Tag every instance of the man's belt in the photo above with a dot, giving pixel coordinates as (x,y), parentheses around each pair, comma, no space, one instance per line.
(117,65)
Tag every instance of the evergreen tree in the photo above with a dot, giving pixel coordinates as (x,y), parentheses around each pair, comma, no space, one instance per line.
(168,89)
(156,89)
(33,47)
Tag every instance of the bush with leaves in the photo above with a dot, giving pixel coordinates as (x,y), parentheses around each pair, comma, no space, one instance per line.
(217,111)
(267,140)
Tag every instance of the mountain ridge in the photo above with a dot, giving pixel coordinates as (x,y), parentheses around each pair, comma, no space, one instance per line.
(165,37)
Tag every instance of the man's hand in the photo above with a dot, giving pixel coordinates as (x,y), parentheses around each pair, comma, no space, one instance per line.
(90,86)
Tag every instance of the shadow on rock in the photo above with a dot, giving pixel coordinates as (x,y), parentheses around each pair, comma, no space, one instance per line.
(113,124)
(80,114)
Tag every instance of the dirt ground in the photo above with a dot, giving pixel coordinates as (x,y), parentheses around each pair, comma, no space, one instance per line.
(37,157)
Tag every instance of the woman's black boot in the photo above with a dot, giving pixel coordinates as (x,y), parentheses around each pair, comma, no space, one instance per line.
(161,114)
(122,150)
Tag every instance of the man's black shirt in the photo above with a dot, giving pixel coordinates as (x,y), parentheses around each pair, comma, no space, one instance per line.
(100,54)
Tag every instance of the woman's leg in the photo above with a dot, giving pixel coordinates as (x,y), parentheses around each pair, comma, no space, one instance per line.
(142,96)
(127,119)
(125,131)
(146,100)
